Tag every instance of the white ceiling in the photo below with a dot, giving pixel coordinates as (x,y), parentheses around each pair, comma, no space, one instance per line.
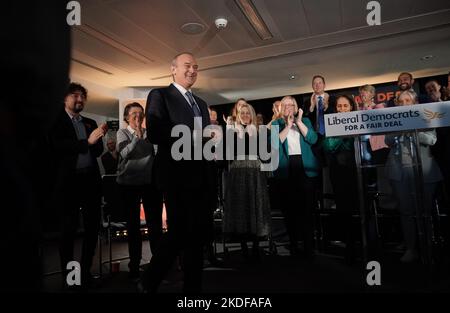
(129,43)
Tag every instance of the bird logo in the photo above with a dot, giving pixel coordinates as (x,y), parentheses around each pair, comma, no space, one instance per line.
(431,115)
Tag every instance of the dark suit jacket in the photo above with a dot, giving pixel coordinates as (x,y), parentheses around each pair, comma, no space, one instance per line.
(109,164)
(66,147)
(167,107)
(312,116)
(317,148)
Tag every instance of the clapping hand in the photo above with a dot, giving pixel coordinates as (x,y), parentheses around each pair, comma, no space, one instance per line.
(299,116)
(290,120)
(139,131)
(96,134)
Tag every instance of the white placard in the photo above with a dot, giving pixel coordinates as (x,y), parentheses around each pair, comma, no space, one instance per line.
(402,118)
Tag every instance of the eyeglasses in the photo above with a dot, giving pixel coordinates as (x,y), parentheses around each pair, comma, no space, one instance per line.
(78,94)
(136,113)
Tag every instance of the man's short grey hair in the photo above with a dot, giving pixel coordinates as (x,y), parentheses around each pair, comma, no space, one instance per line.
(175,58)
(411,93)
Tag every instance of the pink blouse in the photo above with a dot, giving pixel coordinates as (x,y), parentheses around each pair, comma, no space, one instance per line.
(376,142)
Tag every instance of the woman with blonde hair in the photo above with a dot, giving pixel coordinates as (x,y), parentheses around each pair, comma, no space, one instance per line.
(374,150)
(276,109)
(296,174)
(367,95)
(400,171)
(247,211)
(232,118)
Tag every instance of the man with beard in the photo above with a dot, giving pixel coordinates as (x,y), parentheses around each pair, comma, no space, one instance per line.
(76,142)
(405,81)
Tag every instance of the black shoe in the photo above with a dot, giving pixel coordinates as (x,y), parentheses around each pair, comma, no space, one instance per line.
(89,281)
(294,251)
(215,262)
(134,275)
(140,288)
(256,255)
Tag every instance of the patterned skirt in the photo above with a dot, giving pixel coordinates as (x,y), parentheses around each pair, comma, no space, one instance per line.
(247,210)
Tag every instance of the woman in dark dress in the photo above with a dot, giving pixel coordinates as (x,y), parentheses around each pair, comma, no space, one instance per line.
(340,155)
(247,211)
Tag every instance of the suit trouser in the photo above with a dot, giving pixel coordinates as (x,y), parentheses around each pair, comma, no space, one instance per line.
(131,204)
(82,192)
(344,182)
(298,195)
(189,218)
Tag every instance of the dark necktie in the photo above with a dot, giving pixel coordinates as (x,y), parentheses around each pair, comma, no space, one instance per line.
(194,105)
(320,112)
(80,130)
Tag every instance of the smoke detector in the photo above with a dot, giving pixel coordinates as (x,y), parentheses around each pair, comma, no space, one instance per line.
(221,22)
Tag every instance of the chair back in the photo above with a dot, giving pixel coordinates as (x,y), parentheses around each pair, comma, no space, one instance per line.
(112,204)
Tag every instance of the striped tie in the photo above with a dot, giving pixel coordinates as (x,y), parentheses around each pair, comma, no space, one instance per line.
(194,105)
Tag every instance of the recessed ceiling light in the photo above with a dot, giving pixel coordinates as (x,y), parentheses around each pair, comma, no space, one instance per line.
(292,77)
(426,57)
(192,28)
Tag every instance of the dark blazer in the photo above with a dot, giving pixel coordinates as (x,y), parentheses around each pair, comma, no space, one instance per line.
(312,116)
(317,148)
(109,164)
(66,147)
(167,107)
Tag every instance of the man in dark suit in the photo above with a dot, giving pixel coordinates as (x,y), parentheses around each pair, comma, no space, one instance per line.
(319,104)
(109,158)
(184,182)
(77,143)
(315,108)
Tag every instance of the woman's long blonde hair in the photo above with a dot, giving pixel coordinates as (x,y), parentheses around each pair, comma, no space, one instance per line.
(234,110)
(252,114)
(283,104)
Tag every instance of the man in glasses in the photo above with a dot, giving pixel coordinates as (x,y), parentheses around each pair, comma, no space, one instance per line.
(77,143)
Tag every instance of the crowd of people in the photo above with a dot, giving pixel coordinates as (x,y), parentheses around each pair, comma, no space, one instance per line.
(140,156)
